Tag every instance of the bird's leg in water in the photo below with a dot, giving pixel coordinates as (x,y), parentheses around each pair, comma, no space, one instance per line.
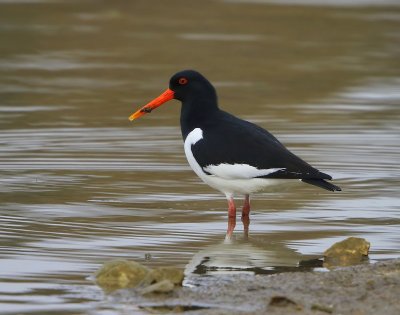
(231,217)
(246,216)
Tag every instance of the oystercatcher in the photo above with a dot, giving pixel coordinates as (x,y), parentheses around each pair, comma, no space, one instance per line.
(231,155)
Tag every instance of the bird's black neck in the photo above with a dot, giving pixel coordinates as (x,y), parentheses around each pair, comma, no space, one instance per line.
(196,111)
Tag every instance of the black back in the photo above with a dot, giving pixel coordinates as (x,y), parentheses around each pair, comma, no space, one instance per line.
(228,139)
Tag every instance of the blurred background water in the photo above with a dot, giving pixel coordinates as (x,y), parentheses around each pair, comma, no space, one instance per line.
(80,184)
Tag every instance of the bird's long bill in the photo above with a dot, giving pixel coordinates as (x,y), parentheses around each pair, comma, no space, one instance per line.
(158,101)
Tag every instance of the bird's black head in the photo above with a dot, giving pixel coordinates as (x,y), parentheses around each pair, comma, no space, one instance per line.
(195,92)
(189,84)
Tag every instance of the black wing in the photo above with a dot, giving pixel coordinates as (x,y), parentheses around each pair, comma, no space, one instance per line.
(230,140)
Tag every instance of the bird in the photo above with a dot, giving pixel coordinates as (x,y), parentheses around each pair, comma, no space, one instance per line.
(232,155)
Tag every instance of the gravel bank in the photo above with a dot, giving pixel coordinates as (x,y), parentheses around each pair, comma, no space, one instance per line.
(357,290)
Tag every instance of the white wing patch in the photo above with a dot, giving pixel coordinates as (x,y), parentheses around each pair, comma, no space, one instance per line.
(193,137)
(238,171)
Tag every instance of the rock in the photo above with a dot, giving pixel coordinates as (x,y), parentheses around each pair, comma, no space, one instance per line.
(120,274)
(322,308)
(283,301)
(163,286)
(174,275)
(350,251)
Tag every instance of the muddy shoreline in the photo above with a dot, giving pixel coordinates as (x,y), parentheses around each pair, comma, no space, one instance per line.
(357,290)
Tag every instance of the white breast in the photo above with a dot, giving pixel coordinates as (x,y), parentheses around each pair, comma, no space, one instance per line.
(193,137)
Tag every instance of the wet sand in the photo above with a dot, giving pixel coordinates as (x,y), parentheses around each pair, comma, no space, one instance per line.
(357,290)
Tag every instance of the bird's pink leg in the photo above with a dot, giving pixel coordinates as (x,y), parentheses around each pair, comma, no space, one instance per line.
(231,217)
(246,206)
(246,215)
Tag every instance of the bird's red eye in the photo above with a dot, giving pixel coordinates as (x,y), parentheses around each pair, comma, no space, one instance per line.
(183,81)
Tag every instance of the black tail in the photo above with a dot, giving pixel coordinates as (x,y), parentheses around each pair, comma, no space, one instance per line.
(322,184)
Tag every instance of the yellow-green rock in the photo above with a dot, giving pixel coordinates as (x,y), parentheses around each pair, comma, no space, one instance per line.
(118,274)
(350,251)
(163,286)
(174,275)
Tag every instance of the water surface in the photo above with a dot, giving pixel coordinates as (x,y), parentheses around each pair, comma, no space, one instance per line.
(80,184)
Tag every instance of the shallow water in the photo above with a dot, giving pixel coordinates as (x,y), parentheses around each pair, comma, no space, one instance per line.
(80,184)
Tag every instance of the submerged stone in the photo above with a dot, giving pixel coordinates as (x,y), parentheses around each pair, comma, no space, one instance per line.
(163,286)
(350,251)
(283,302)
(174,275)
(119,274)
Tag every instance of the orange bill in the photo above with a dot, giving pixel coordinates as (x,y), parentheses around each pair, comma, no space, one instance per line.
(164,97)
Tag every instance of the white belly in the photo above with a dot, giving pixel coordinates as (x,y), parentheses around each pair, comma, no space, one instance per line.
(239,186)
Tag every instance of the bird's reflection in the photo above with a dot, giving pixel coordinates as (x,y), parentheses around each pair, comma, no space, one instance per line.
(246,255)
